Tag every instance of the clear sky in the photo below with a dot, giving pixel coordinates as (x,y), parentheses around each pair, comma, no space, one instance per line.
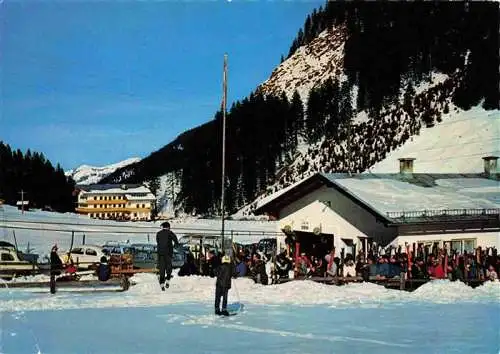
(97,82)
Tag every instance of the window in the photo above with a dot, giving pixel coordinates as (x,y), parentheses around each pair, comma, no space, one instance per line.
(95,198)
(464,245)
(90,252)
(143,205)
(456,246)
(7,257)
(469,245)
(77,250)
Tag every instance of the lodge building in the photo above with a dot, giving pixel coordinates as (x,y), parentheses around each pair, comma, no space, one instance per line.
(115,201)
(398,209)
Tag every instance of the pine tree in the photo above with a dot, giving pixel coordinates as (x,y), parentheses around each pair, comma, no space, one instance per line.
(296,113)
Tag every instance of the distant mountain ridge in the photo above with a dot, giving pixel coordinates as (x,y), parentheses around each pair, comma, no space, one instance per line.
(86,174)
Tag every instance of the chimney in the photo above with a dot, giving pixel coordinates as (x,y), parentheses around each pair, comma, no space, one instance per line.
(490,165)
(406,165)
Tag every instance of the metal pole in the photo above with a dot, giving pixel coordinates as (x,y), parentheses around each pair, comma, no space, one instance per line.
(223,147)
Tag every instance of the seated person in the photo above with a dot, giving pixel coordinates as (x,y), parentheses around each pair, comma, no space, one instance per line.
(259,273)
(189,267)
(69,272)
(241,268)
(491,274)
(283,266)
(103,270)
(383,268)
(333,267)
(316,266)
(304,265)
(349,269)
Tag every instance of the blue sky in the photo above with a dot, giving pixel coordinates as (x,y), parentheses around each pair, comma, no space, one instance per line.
(96,82)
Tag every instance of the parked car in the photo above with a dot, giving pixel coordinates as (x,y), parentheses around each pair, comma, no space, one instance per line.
(117,248)
(179,257)
(145,256)
(84,256)
(11,265)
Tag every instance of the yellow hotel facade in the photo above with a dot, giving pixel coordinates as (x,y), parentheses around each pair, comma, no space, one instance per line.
(115,201)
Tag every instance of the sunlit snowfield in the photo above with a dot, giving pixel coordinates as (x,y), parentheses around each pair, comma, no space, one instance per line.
(298,317)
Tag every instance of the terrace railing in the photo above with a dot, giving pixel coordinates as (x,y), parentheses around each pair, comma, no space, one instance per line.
(444,214)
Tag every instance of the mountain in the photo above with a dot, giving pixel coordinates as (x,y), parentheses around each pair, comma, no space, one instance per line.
(363,83)
(311,64)
(86,174)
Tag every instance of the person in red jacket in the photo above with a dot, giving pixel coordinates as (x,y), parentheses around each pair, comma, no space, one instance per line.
(436,270)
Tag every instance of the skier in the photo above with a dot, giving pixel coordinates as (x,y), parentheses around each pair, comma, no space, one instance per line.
(164,239)
(56,264)
(222,285)
(55,268)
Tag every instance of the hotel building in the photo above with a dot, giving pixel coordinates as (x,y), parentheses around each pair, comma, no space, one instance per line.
(115,201)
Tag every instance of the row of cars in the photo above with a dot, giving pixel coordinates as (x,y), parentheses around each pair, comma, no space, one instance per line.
(140,255)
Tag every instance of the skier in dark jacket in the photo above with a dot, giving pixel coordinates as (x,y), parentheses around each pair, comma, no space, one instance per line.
(56,264)
(55,268)
(222,285)
(166,240)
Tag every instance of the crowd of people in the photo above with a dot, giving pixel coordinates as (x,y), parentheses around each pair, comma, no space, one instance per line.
(265,266)
(420,262)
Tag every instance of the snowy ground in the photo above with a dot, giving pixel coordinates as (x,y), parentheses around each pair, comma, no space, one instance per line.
(456,145)
(297,317)
(42,229)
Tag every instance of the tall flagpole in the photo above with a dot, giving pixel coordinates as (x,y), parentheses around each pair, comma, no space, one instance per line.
(224,102)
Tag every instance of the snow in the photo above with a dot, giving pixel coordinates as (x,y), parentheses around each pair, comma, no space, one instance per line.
(298,317)
(199,289)
(435,79)
(42,229)
(388,195)
(456,145)
(190,328)
(310,65)
(86,174)
(115,190)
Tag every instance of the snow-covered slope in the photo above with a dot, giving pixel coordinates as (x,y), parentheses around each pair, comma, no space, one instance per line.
(311,64)
(86,174)
(456,145)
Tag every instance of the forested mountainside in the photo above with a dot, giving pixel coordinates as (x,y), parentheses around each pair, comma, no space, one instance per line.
(400,65)
(35,176)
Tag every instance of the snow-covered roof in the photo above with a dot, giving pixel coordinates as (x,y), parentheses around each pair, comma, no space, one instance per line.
(386,193)
(115,189)
(148,196)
